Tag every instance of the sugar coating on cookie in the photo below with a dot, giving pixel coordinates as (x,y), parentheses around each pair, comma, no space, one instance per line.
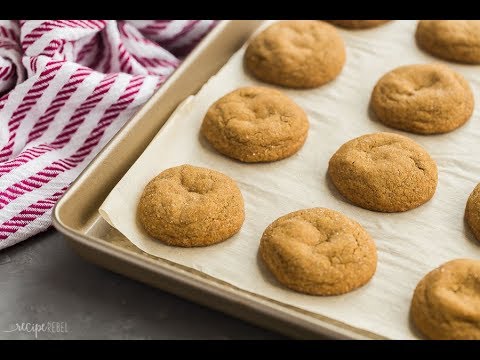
(296,54)
(384,172)
(191,206)
(454,40)
(319,252)
(472,212)
(423,99)
(446,302)
(255,124)
(358,24)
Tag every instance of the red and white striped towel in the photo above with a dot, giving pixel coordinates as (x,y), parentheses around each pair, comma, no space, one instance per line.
(66,87)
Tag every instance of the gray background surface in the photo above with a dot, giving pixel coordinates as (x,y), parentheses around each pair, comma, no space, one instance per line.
(42,280)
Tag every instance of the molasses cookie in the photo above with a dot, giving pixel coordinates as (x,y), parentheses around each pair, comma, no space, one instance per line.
(384,172)
(472,212)
(446,302)
(423,99)
(255,124)
(455,40)
(358,24)
(191,206)
(319,252)
(296,54)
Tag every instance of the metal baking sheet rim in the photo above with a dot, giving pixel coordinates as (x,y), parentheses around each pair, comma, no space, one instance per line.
(265,312)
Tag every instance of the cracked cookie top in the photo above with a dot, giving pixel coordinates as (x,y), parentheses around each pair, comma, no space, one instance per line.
(446,302)
(296,54)
(384,172)
(423,99)
(255,124)
(319,251)
(454,40)
(191,206)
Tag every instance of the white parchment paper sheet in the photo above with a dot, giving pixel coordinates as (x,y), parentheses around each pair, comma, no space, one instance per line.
(409,244)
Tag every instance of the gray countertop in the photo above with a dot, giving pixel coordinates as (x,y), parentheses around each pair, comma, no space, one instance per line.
(42,281)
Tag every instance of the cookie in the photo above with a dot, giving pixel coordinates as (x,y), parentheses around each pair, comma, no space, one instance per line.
(191,206)
(454,40)
(358,24)
(472,212)
(446,302)
(255,124)
(319,252)
(423,99)
(296,54)
(384,172)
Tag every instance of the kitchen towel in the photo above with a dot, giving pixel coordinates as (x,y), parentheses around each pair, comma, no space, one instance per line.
(66,87)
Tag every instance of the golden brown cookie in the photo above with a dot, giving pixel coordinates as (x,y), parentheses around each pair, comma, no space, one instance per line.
(319,252)
(446,302)
(191,206)
(472,212)
(384,172)
(255,124)
(423,99)
(358,24)
(296,54)
(455,40)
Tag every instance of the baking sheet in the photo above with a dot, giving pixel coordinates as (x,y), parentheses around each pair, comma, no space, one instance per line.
(409,244)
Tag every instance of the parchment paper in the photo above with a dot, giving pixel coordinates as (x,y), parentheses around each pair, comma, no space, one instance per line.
(409,244)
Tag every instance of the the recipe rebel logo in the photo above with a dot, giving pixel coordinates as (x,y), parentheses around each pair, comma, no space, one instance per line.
(52,327)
